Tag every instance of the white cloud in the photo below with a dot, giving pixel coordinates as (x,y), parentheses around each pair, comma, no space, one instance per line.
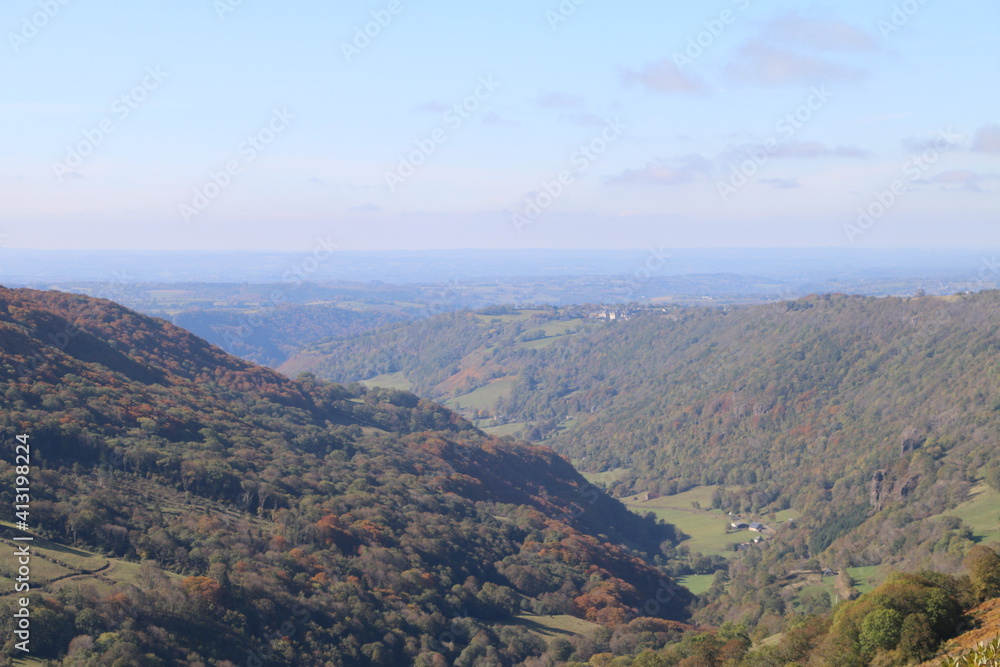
(987,139)
(558,100)
(759,62)
(819,34)
(664,76)
(683,169)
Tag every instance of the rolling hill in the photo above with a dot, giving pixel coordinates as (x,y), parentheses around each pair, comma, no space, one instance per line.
(250,518)
(872,418)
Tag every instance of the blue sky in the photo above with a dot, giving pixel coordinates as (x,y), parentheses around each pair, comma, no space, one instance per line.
(202,124)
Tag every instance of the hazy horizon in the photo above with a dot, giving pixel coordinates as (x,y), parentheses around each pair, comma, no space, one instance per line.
(325,262)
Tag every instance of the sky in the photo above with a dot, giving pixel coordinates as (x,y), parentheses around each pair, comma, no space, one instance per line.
(409,124)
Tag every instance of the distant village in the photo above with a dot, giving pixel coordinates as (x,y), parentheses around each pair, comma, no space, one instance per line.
(737,524)
(611,314)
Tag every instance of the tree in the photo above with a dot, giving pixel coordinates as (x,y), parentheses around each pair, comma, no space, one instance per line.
(880,630)
(203,591)
(89,623)
(993,477)
(984,569)
(845,585)
(917,640)
(560,649)
(649,659)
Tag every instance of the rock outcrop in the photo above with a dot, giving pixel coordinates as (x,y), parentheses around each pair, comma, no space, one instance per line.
(886,491)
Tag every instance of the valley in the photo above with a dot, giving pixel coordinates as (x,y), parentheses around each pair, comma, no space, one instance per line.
(729,488)
(815,409)
(689,414)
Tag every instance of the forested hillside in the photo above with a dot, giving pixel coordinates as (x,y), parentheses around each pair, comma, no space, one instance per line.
(866,416)
(449,355)
(296,522)
(269,336)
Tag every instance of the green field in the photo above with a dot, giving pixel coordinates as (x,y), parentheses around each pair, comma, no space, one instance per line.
(561,327)
(865,578)
(72,566)
(814,583)
(706,529)
(553,330)
(606,478)
(699,494)
(520,316)
(555,626)
(482,398)
(44,552)
(567,424)
(390,381)
(538,344)
(785,515)
(697,583)
(827,587)
(505,429)
(981,512)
